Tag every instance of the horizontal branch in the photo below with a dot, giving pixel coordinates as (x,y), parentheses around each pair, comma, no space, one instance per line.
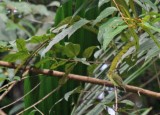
(83,79)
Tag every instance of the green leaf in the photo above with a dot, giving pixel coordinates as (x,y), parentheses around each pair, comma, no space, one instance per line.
(101,2)
(108,36)
(22,55)
(77,25)
(40,9)
(154,51)
(128,102)
(33,112)
(151,35)
(89,51)
(12,26)
(58,64)
(109,30)
(4,17)
(69,31)
(55,3)
(43,61)
(147,111)
(69,67)
(82,60)
(3,44)
(153,6)
(2,77)
(38,39)
(151,27)
(105,13)
(21,45)
(17,78)
(68,20)
(68,94)
(91,68)
(29,25)
(72,50)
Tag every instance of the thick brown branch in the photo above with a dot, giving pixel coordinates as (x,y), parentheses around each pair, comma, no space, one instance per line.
(84,79)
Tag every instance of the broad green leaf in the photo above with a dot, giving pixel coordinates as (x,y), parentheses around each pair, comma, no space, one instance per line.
(105,13)
(21,45)
(68,31)
(72,50)
(77,25)
(22,55)
(108,36)
(89,51)
(106,30)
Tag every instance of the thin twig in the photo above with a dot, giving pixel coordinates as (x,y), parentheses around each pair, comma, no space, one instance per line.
(20,97)
(5,93)
(38,110)
(12,85)
(8,84)
(116,99)
(71,60)
(123,17)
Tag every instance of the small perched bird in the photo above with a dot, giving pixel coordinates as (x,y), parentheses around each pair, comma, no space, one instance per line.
(115,79)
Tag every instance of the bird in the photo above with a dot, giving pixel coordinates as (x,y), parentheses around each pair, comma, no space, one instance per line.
(115,79)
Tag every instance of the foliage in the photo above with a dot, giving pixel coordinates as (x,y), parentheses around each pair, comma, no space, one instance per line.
(125,33)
